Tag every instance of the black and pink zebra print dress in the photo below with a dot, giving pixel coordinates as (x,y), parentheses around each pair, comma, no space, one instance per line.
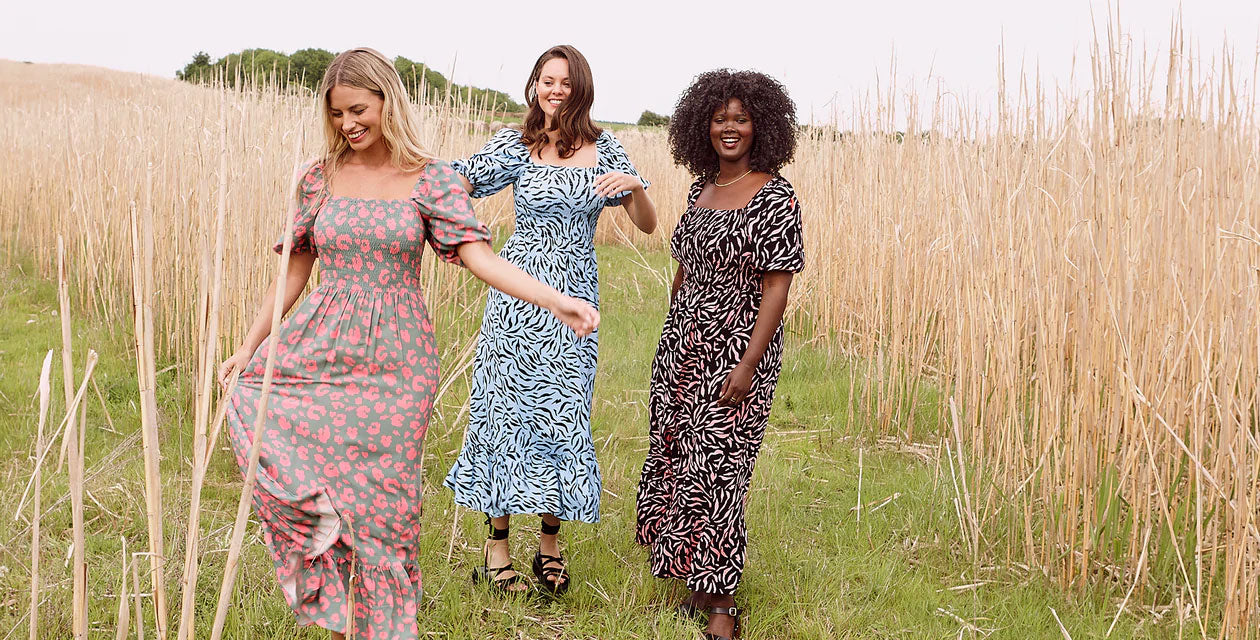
(700,456)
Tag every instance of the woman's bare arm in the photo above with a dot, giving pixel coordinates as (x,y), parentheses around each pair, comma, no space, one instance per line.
(484,263)
(774,294)
(295,279)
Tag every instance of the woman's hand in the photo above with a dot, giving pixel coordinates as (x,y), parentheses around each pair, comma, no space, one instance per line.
(614,182)
(234,364)
(736,387)
(576,314)
(637,204)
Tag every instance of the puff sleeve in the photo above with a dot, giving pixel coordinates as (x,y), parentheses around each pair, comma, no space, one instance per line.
(612,157)
(497,165)
(447,212)
(777,240)
(311,195)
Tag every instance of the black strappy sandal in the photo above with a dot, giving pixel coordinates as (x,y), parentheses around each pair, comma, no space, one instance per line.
(731,611)
(485,574)
(555,580)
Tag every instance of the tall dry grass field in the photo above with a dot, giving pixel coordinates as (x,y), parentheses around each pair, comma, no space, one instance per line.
(1068,284)
(1078,274)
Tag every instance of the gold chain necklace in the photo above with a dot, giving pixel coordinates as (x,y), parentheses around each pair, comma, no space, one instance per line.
(719,184)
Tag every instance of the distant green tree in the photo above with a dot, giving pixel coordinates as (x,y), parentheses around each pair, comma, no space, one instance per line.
(253,67)
(415,73)
(307,67)
(196,71)
(649,119)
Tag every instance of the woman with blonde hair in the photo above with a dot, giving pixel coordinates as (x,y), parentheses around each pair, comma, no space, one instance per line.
(339,483)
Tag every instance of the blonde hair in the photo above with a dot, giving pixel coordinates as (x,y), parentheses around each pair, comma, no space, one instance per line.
(364,68)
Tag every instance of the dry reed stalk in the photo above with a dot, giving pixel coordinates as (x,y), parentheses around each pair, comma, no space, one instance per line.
(75,455)
(231,566)
(124,612)
(858,508)
(1063,630)
(45,393)
(968,510)
(67,366)
(136,595)
(48,446)
(1137,578)
(146,374)
(217,424)
(211,300)
(109,420)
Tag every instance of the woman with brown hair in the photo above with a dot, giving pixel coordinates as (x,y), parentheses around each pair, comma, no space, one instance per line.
(339,485)
(528,447)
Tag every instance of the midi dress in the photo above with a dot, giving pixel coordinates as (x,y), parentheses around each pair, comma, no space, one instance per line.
(528,447)
(356,367)
(700,458)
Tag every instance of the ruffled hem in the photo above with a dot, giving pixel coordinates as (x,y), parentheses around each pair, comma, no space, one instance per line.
(673,559)
(315,566)
(385,599)
(488,486)
(314,572)
(699,583)
(521,506)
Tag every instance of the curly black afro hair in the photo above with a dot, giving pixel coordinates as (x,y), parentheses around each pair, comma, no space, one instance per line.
(766,101)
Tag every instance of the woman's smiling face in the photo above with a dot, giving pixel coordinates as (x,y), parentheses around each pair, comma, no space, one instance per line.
(731,131)
(553,85)
(356,113)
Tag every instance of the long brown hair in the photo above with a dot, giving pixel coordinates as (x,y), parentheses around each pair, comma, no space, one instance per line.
(572,126)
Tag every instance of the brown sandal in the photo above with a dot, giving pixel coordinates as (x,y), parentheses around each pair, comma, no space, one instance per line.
(731,611)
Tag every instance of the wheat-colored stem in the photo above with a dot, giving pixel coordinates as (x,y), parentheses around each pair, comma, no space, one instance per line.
(67,365)
(231,566)
(45,393)
(208,349)
(124,612)
(75,457)
(135,600)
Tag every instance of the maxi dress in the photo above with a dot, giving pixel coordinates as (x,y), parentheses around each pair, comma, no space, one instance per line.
(356,368)
(528,448)
(700,456)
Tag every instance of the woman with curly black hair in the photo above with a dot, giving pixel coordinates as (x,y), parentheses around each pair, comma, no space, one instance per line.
(713,378)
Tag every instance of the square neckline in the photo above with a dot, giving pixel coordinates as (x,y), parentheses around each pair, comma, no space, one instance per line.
(599,159)
(358,199)
(743,208)
(410,196)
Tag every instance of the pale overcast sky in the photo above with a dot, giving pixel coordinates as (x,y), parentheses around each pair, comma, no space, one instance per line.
(643,53)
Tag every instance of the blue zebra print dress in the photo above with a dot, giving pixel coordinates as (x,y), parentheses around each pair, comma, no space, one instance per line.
(528,448)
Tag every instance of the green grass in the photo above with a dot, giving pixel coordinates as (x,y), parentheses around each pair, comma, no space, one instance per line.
(814,570)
